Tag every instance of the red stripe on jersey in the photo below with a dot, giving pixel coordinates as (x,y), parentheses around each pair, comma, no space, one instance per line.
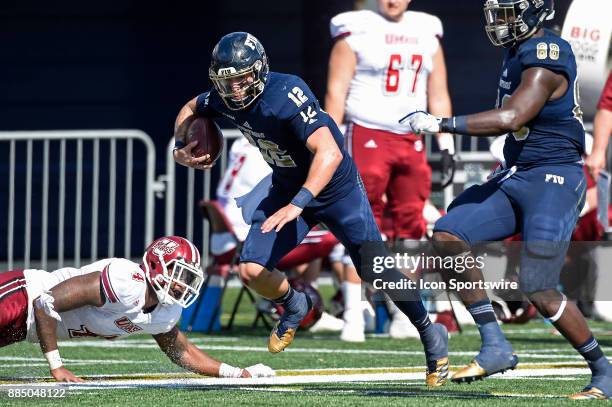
(19,285)
(10,284)
(106,285)
(342,35)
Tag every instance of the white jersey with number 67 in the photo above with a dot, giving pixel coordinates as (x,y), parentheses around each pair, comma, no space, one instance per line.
(394,60)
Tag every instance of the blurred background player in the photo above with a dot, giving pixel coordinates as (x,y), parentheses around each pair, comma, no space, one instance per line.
(108,299)
(602,128)
(539,192)
(381,63)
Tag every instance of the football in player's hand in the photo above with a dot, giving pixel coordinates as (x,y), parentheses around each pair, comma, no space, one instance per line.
(209,137)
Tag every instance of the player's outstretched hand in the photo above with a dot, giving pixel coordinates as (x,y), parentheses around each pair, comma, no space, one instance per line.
(61,374)
(183,156)
(595,163)
(258,370)
(421,122)
(283,216)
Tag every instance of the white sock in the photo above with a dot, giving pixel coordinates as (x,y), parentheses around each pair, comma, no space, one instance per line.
(353,311)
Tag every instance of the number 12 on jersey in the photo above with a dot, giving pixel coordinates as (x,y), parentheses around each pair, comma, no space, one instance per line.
(396,67)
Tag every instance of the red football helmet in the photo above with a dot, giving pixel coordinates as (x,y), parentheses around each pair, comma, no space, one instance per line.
(172,266)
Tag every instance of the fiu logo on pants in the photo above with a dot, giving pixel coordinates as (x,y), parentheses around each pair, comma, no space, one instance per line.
(555,179)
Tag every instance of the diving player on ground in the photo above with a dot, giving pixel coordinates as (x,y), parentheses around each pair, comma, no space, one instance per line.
(108,299)
(539,191)
(313,180)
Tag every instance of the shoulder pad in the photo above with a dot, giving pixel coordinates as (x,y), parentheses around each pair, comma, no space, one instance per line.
(427,22)
(349,23)
(295,96)
(547,52)
(123,281)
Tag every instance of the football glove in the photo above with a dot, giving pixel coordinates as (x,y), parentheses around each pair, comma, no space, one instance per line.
(447,162)
(260,370)
(421,122)
(446,143)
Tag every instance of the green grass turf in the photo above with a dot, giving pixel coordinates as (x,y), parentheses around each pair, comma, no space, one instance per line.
(534,338)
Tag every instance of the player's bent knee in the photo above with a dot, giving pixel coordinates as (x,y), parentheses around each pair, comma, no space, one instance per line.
(551,303)
(249,272)
(447,244)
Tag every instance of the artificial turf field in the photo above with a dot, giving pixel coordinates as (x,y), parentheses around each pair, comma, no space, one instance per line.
(316,370)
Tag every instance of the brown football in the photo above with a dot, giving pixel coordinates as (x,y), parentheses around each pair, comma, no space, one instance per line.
(209,137)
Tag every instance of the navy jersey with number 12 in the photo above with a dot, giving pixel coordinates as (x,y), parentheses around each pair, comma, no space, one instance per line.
(278,123)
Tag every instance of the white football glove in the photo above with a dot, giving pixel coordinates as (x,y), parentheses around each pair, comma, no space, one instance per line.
(421,122)
(45,302)
(260,370)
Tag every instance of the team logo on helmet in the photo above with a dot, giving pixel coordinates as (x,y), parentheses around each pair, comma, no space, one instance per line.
(165,246)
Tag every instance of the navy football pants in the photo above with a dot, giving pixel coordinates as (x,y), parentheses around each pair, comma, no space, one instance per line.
(350,219)
(542,203)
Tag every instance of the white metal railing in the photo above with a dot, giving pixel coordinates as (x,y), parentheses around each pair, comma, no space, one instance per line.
(51,165)
(474,167)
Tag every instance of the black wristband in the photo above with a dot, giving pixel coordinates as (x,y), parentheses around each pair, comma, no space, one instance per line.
(446,125)
(302,198)
(178,144)
(455,125)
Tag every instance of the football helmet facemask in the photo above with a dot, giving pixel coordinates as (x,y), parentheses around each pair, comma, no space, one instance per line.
(511,21)
(172,267)
(239,69)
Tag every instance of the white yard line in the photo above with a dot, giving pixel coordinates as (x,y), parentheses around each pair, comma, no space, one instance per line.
(284,380)
(238,348)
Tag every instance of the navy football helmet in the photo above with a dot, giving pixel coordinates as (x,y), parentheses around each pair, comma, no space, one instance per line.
(509,22)
(239,69)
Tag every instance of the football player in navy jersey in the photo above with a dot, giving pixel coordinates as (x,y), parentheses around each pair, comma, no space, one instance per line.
(539,190)
(313,180)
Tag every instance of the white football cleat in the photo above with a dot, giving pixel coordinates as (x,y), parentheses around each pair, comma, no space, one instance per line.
(402,328)
(353,332)
(327,322)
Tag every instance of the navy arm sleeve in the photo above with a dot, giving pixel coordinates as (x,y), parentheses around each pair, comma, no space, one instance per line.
(205,105)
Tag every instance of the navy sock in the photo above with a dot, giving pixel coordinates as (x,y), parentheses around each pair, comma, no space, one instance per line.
(482,312)
(590,350)
(592,353)
(415,311)
(285,297)
(296,305)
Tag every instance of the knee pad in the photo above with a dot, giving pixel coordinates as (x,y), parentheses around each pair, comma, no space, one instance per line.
(545,236)
(543,250)
(540,275)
